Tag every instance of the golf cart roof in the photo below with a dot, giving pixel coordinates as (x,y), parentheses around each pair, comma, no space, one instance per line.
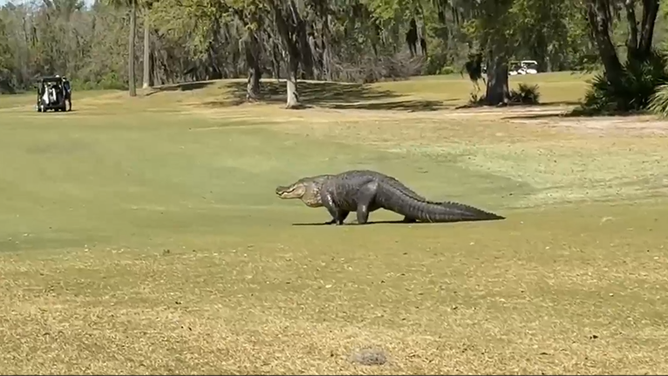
(51,79)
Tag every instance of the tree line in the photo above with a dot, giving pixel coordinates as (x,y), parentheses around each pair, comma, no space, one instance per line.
(171,41)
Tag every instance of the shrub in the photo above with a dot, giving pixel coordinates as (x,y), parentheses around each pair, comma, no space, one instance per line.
(373,69)
(525,94)
(636,87)
(437,59)
(447,70)
(111,81)
(658,103)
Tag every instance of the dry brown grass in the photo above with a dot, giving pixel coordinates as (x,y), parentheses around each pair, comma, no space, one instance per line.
(586,296)
(160,279)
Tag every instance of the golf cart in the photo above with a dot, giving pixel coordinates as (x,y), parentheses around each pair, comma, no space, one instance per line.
(514,68)
(523,67)
(51,94)
(529,66)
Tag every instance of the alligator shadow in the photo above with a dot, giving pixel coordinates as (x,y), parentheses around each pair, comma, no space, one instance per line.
(399,221)
(351,223)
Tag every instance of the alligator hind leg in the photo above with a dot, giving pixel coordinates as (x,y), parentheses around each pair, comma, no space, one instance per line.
(409,220)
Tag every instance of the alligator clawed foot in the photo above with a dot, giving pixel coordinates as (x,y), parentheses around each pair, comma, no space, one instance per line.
(334,222)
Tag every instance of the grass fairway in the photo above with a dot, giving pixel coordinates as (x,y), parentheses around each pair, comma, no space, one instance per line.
(143,235)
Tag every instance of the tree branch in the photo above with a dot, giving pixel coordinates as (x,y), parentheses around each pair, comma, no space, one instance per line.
(650,11)
(632,40)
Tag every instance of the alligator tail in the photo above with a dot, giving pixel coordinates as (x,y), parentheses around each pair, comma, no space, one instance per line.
(393,199)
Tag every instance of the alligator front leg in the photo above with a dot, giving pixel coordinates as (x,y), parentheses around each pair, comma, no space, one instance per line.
(338,215)
(364,198)
(342,217)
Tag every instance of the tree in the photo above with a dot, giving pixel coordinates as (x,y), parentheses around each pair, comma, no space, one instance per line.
(553,32)
(339,40)
(492,26)
(600,14)
(132,86)
(630,85)
(6,63)
(290,25)
(251,15)
(131,5)
(147,73)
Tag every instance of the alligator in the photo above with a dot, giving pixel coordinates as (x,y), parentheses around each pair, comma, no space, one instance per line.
(365,191)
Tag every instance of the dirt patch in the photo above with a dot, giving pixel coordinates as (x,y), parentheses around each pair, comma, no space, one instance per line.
(369,357)
(645,124)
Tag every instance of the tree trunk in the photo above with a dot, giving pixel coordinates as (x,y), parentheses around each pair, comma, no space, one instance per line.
(148,77)
(276,62)
(597,16)
(305,51)
(326,51)
(539,51)
(253,85)
(497,82)
(156,78)
(639,41)
(317,58)
(254,70)
(327,63)
(288,34)
(293,95)
(650,12)
(131,49)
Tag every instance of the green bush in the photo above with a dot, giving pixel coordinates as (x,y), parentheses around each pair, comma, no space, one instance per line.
(438,57)
(525,94)
(637,86)
(435,62)
(80,85)
(110,81)
(658,103)
(447,70)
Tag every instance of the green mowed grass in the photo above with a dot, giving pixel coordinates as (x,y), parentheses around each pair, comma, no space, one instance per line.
(555,88)
(142,179)
(141,237)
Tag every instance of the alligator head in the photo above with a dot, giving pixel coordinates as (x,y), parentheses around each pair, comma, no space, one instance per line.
(307,189)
